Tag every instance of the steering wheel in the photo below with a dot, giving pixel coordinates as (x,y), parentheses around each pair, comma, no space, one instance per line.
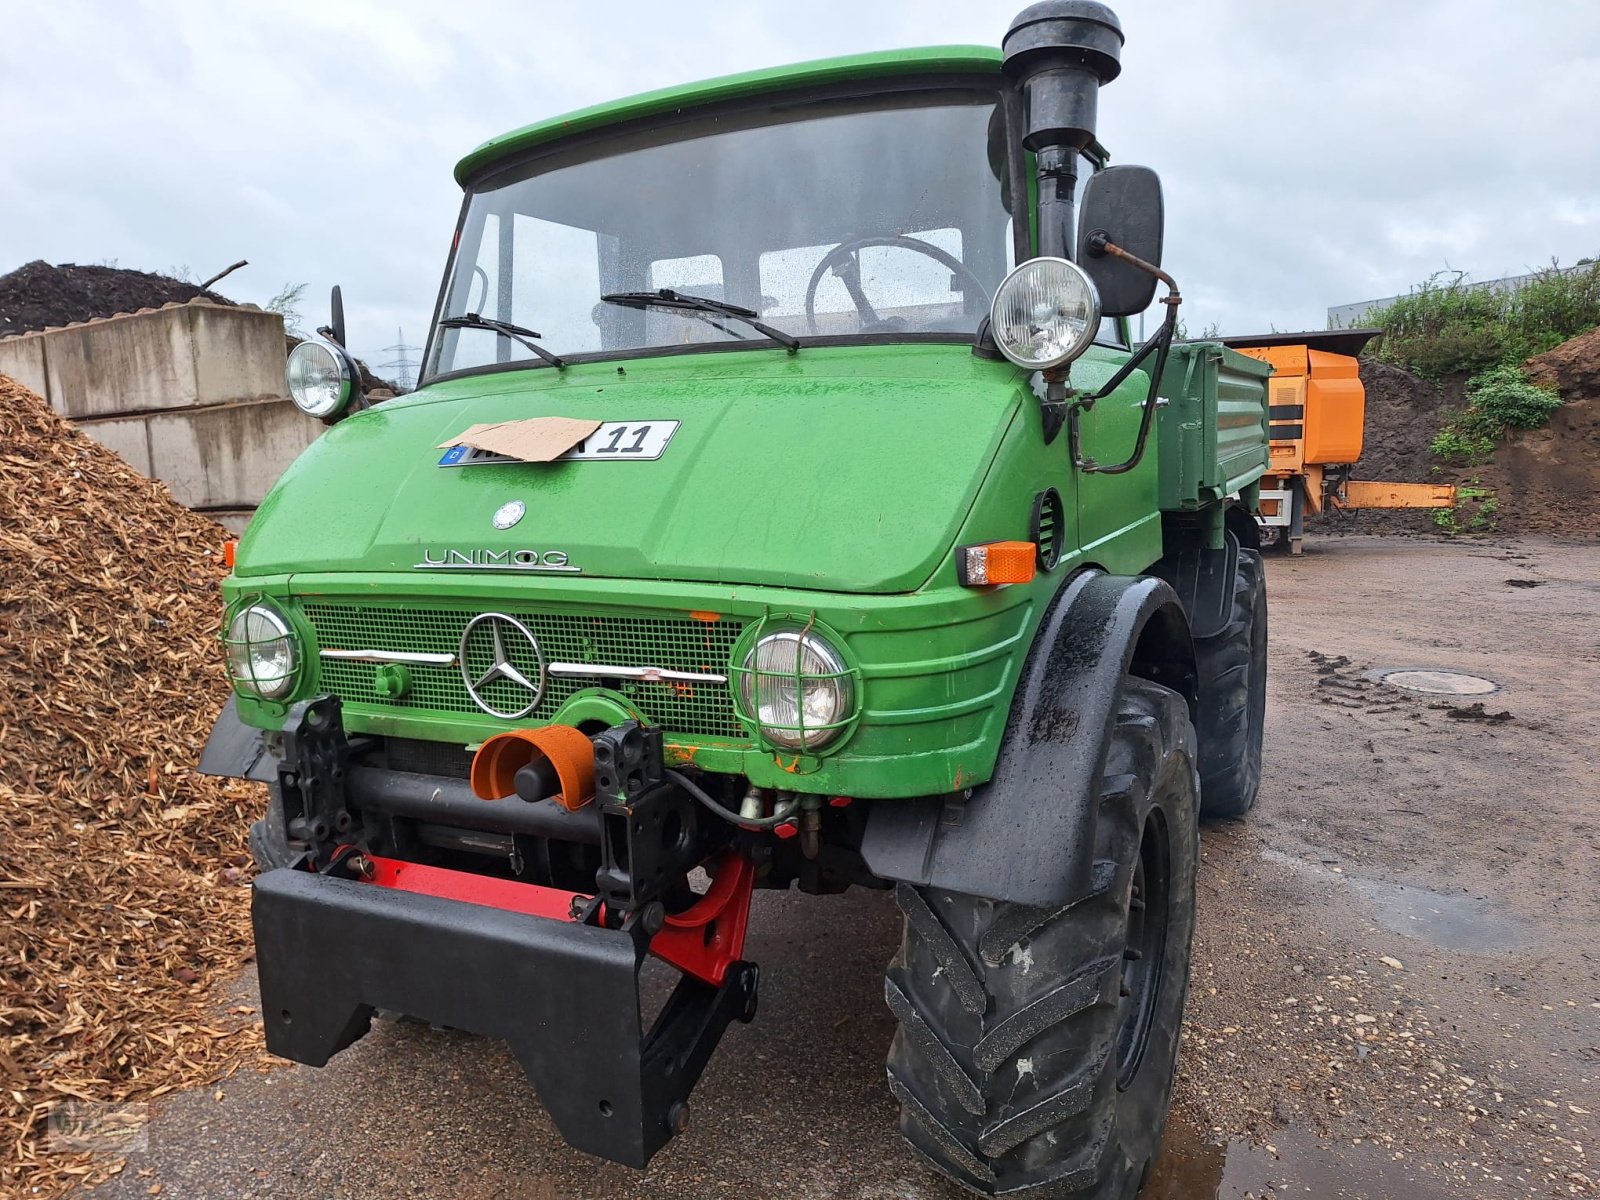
(844,261)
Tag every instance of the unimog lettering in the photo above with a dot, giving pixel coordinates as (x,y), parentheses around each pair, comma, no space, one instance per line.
(932,517)
(492,560)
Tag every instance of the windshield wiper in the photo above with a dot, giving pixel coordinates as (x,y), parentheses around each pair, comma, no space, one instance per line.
(504,329)
(673,301)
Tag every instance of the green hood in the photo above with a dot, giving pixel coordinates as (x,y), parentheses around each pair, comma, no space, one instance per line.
(750,490)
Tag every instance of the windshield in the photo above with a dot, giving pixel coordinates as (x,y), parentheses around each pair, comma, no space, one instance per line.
(878,219)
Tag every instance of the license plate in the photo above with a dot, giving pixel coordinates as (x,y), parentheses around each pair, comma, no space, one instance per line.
(615,441)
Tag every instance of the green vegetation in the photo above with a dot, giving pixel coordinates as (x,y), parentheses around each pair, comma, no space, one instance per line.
(1465,448)
(287,305)
(1474,512)
(1447,326)
(1498,399)
(1504,398)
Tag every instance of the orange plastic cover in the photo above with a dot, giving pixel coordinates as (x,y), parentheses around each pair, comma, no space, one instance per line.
(495,766)
(1285,360)
(1336,409)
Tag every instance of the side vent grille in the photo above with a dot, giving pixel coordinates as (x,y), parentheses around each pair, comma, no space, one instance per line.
(1049,527)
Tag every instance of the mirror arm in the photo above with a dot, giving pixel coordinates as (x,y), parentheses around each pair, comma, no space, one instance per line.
(1099,243)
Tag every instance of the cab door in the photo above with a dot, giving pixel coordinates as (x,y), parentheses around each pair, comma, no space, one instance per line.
(1118,515)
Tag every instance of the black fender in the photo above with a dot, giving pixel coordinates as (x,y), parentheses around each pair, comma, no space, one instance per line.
(1203,579)
(236,750)
(1241,522)
(1027,835)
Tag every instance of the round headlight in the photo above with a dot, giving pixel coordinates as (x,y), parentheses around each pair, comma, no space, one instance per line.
(798,690)
(261,652)
(1045,313)
(319,380)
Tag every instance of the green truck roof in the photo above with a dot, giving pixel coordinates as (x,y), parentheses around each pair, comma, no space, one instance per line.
(978,60)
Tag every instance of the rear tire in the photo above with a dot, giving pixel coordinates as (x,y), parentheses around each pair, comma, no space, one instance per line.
(1233,697)
(1020,1067)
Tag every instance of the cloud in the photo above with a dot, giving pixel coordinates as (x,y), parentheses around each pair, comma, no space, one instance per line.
(1312,155)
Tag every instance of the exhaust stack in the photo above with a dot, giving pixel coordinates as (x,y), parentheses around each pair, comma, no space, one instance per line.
(1061,52)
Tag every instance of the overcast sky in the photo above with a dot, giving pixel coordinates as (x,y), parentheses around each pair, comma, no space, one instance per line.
(1312,153)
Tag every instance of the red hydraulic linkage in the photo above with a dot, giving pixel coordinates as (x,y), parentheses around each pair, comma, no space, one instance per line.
(702,941)
(505,894)
(708,937)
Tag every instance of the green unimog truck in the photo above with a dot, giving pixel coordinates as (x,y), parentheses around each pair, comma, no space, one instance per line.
(783,505)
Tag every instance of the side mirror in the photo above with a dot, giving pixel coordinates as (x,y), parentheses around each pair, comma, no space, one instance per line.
(334,329)
(1121,205)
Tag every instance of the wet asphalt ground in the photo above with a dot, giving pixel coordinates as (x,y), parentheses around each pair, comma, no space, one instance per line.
(1463,847)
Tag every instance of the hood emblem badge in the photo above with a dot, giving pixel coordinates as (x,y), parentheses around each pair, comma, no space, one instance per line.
(509,513)
(496,648)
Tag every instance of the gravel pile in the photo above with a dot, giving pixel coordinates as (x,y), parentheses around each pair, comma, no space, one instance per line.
(123,874)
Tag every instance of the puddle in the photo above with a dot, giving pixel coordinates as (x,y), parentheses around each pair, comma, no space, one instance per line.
(1449,922)
(1458,923)
(1196,1165)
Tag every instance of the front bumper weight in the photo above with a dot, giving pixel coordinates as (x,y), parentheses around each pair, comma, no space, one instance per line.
(565,995)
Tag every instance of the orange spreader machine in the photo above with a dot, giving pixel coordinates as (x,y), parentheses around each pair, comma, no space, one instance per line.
(1317,411)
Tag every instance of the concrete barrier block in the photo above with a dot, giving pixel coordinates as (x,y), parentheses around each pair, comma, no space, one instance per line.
(127,436)
(227,457)
(130,364)
(234,520)
(22,358)
(239,353)
(177,356)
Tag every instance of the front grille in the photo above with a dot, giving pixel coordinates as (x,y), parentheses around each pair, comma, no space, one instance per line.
(674,644)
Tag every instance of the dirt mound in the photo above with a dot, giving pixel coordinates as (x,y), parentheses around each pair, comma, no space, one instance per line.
(1541,481)
(39,296)
(1404,412)
(1548,480)
(1403,415)
(121,870)
(1572,368)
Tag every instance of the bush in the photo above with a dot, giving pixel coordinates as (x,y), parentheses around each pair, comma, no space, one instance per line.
(1457,446)
(1498,399)
(1503,398)
(1446,325)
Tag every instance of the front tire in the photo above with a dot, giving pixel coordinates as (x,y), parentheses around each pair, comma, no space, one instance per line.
(1233,697)
(269,839)
(1036,1048)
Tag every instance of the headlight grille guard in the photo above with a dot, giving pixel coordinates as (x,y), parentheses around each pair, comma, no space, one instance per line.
(739,673)
(250,686)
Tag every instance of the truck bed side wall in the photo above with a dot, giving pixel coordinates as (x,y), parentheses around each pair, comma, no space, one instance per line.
(1212,430)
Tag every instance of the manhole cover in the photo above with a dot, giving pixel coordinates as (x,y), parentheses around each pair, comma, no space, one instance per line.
(1441,683)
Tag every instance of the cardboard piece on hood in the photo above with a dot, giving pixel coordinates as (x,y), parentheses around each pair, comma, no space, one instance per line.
(532,439)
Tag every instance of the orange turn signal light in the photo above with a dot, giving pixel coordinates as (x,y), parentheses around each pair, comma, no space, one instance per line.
(993,563)
(230,549)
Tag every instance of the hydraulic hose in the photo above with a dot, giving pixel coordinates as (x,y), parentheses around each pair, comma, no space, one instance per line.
(785,809)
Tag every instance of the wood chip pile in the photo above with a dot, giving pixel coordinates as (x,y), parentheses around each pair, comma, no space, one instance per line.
(123,874)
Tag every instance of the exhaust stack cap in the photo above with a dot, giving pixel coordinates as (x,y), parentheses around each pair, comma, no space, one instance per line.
(1061,52)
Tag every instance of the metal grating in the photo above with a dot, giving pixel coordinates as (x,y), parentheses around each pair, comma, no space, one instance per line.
(675,644)
(1048,519)
(428,758)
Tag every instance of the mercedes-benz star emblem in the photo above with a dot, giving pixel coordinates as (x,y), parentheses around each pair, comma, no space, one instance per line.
(513,657)
(509,513)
